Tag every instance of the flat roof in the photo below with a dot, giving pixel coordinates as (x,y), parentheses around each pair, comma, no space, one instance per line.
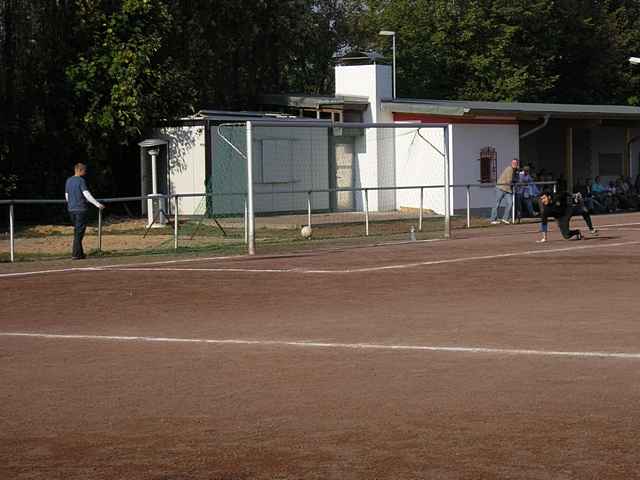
(340,102)
(512,109)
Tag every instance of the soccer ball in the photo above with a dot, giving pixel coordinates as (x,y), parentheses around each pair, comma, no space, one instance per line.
(306,231)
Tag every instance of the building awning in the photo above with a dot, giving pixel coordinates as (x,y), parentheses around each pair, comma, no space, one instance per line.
(520,111)
(316,102)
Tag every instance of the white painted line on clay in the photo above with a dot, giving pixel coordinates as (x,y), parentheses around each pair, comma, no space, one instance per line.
(330,345)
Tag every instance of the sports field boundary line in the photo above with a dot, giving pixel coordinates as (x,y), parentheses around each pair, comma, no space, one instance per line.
(327,345)
(143,265)
(382,267)
(119,265)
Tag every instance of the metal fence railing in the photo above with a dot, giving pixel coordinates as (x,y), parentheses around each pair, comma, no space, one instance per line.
(174,199)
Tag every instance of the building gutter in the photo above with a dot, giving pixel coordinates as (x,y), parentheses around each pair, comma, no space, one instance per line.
(427,109)
(539,127)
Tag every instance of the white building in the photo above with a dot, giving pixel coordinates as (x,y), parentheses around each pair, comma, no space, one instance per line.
(573,141)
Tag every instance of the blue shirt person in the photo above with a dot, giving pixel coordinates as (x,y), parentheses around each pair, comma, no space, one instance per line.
(78,198)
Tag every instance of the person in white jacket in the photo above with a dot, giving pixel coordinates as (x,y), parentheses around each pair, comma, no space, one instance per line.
(78,197)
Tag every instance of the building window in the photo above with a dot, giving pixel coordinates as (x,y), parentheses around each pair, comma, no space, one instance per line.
(488,165)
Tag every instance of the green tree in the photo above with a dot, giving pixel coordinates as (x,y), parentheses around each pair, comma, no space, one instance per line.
(118,77)
(571,51)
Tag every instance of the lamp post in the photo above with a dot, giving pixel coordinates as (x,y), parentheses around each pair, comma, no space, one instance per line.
(151,147)
(389,33)
(153,153)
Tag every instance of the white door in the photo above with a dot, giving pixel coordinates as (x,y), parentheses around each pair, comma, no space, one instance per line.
(344,175)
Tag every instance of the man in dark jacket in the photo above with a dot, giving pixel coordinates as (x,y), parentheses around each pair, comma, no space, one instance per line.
(561,207)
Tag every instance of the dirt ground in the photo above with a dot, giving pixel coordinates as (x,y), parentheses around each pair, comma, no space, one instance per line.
(487,356)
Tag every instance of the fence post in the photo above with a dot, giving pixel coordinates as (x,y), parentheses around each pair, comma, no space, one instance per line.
(246,222)
(11,233)
(309,209)
(251,240)
(421,209)
(99,229)
(366,212)
(513,203)
(447,186)
(468,206)
(175,222)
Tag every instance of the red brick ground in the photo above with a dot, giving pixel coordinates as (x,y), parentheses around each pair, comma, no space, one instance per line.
(104,409)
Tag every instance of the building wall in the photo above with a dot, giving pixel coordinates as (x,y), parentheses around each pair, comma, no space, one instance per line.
(186,166)
(634,153)
(300,161)
(374,159)
(420,162)
(284,160)
(607,141)
(467,142)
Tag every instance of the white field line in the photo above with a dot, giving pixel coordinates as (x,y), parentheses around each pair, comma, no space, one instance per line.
(384,267)
(119,265)
(220,269)
(328,345)
(618,229)
(170,262)
(40,272)
(617,224)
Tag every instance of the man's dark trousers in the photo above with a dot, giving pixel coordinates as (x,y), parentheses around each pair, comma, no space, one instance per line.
(563,223)
(79,220)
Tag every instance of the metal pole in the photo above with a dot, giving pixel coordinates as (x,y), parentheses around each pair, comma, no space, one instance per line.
(394,65)
(309,209)
(246,222)
(175,223)
(251,221)
(12,246)
(447,187)
(366,212)
(513,203)
(421,209)
(151,209)
(468,206)
(99,229)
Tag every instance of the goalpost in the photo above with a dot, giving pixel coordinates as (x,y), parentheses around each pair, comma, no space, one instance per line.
(382,151)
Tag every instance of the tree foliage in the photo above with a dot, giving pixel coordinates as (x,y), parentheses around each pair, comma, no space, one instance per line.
(83,80)
(571,51)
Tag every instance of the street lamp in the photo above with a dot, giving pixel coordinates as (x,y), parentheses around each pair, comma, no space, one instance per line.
(388,33)
(634,60)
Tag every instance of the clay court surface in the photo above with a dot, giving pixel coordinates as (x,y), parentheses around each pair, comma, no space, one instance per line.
(485,356)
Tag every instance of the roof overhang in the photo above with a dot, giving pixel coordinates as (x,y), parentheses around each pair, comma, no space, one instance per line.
(520,111)
(356,103)
(222,116)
